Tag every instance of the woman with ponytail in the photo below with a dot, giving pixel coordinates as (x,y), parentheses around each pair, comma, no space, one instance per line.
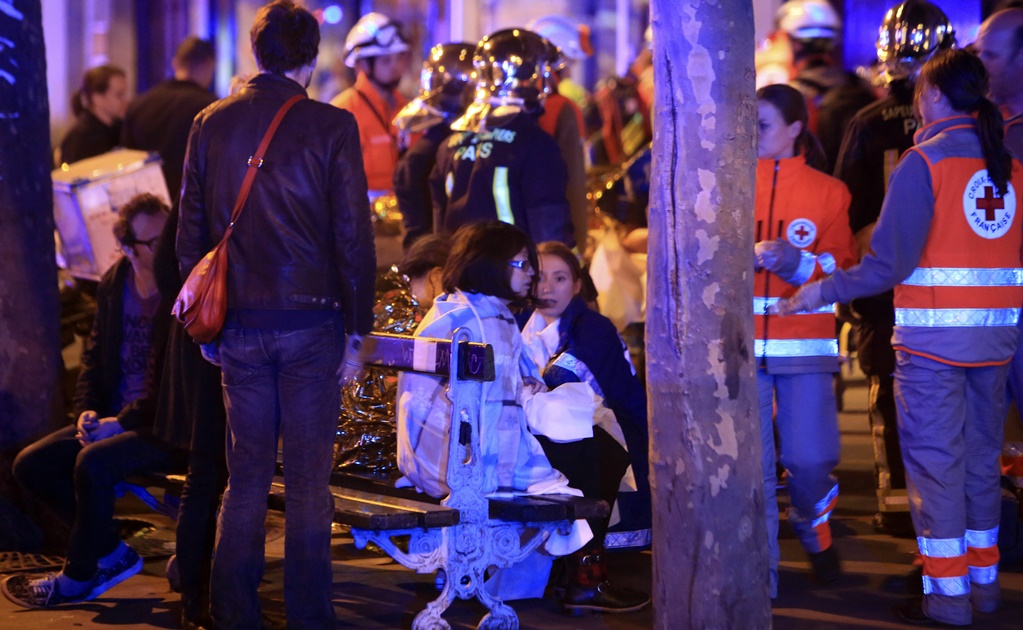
(99,105)
(802,233)
(948,240)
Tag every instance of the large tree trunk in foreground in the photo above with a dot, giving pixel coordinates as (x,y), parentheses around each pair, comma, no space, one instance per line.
(29,304)
(709,544)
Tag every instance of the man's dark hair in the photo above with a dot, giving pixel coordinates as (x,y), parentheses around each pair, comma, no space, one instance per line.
(426,253)
(194,52)
(479,258)
(284,37)
(144,203)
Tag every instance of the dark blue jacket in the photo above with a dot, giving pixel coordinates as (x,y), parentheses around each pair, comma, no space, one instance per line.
(593,340)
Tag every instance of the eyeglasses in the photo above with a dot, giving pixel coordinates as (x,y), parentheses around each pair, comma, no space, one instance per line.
(147,243)
(520,264)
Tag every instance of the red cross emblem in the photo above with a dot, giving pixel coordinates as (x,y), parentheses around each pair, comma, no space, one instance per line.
(989,203)
(802,232)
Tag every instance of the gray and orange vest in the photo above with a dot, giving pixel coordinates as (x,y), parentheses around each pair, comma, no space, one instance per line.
(960,306)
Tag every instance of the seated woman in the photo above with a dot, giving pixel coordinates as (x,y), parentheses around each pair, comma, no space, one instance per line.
(491,268)
(572,344)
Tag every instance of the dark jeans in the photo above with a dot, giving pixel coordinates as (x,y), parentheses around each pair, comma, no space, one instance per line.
(203,397)
(277,382)
(77,483)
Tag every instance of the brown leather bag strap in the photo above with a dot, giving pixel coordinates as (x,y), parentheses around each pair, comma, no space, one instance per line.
(256,161)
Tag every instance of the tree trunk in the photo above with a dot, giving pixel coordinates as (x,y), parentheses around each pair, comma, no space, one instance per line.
(710,544)
(29,304)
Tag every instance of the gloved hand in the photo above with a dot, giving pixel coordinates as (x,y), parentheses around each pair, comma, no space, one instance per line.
(351,368)
(768,254)
(807,299)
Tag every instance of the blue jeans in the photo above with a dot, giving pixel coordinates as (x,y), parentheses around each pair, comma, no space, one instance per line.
(277,382)
(77,484)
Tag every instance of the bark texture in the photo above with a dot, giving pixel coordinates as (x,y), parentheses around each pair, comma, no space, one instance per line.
(29,304)
(710,544)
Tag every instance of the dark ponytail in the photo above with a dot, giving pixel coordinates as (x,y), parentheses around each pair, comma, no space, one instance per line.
(792,106)
(961,78)
(95,81)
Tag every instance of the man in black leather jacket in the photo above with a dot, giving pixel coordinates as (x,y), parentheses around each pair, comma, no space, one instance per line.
(300,274)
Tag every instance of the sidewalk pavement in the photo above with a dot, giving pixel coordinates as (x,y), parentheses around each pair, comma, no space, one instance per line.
(371,591)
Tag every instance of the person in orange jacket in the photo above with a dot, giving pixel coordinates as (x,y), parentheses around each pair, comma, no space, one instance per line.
(948,241)
(802,232)
(378,50)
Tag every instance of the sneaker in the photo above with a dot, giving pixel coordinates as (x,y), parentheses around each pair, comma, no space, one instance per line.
(105,579)
(38,592)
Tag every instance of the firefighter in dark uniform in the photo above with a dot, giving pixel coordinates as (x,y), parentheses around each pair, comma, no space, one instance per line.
(500,164)
(876,137)
(446,89)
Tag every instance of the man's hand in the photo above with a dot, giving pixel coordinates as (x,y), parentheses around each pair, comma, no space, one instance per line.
(87,422)
(352,367)
(807,298)
(91,430)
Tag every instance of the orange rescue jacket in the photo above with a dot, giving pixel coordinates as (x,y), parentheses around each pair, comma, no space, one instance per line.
(378,136)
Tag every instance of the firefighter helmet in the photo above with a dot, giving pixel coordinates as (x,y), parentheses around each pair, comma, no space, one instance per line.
(374,35)
(513,64)
(571,36)
(910,35)
(446,86)
(809,20)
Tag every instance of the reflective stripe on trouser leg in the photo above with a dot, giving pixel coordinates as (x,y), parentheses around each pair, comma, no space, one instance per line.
(945,569)
(982,555)
(809,440)
(931,401)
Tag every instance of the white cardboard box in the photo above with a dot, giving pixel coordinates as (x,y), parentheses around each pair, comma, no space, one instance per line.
(86,197)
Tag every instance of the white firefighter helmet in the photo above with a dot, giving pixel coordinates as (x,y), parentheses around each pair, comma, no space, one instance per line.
(374,35)
(809,19)
(571,36)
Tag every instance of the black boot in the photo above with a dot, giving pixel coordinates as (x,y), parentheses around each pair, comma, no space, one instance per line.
(827,568)
(589,590)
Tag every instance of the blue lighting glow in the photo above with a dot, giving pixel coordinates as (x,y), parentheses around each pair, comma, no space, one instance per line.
(332,14)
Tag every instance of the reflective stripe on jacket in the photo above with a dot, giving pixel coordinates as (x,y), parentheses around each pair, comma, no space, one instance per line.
(376,133)
(808,209)
(968,280)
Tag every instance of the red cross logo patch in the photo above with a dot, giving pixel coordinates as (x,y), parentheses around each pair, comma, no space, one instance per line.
(801,232)
(989,214)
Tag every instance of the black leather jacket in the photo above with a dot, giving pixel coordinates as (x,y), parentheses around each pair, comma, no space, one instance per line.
(304,239)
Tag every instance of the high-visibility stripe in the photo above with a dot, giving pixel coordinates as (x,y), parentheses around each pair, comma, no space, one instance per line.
(950,586)
(795,347)
(502,197)
(826,504)
(449,183)
(761,304)
(941,547)
(982,556)
(984,575)
(945,567)
(953,317)
(964,277)
(981,538)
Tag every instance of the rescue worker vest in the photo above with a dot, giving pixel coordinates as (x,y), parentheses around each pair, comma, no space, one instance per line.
(969,273)
(807,208)
(552,107)
(377,135)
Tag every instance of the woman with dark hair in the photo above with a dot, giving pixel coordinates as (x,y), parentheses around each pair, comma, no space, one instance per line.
(491,266)
(802,233)
(948,241)
(99,105)
(571,343)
